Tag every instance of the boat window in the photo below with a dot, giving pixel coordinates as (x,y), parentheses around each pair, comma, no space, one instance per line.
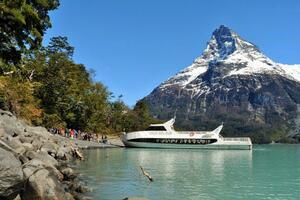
(176,141)
(156,128)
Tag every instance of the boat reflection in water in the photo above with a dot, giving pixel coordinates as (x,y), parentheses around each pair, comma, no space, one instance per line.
(164,136)
(170,162)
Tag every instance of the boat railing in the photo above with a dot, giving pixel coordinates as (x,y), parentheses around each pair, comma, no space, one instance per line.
(240,139)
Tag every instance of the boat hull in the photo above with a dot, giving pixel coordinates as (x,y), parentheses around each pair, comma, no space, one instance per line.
(224,146)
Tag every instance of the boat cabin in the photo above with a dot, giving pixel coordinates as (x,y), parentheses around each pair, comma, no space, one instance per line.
(167,126)
(156,128)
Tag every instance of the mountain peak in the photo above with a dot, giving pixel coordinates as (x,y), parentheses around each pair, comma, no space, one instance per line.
(223,32)
(224,42)
(227,54)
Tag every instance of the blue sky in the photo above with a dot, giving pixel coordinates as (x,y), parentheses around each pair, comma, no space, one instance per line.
(134,45)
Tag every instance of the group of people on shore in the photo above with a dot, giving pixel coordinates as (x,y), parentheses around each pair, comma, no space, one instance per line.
(73,133)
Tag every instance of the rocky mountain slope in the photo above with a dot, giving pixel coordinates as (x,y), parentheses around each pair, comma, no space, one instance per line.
(234,82)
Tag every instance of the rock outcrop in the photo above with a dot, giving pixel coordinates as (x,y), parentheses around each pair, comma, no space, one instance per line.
(11,175)
(34,163)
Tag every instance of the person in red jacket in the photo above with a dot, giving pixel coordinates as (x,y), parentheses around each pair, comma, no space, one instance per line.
(72,133)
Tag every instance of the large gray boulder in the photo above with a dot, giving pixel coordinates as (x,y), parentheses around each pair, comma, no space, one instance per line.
(50,147)
(14,143)
(10,124)
(68,173)
(34,165)
(46,158)
(44,185)
(11,175)
(29,162)
(63,153)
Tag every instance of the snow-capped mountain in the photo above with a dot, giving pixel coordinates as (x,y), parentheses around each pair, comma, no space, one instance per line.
(240,57)
(232,81)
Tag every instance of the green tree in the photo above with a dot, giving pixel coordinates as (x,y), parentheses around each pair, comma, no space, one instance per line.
(17,96)
(22,26)
(60,44)
(68,95)
(139,118)
(97,114)
(64,85)
(143,114)
(118,115)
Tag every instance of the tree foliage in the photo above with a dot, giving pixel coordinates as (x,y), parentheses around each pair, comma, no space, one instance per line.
(54,91)
(60,44)
(44,86)
(22,26)
(17,96)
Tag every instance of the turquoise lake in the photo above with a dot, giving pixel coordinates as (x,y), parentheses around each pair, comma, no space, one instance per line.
(266,172)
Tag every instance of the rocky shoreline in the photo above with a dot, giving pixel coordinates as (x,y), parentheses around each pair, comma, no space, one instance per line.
(34,164)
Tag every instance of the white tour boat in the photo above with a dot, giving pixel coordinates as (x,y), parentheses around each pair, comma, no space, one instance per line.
(164,136)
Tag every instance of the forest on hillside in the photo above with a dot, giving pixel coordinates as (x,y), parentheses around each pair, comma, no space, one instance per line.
(44,86)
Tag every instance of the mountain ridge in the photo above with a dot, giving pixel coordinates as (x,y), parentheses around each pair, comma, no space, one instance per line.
(238,50)
(234,79)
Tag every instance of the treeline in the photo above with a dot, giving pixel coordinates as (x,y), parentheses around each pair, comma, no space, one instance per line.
(45,86)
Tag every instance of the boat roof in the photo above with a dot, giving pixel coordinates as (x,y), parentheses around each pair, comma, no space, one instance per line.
(167,123)
(169,126)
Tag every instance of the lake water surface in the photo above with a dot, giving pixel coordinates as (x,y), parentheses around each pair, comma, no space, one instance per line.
(266,172)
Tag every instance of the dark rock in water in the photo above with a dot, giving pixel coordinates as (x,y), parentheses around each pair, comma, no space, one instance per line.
(135,198)
(77,186)
(78,196)
(86,198)
(11,175)
(68,173)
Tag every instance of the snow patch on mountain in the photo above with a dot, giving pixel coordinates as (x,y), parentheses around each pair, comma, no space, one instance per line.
(186,76)
(291,71)
(253,63)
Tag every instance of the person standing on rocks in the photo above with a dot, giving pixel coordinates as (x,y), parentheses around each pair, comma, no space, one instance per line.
(75,133)
(62,132)
(67,132)
(72,133)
